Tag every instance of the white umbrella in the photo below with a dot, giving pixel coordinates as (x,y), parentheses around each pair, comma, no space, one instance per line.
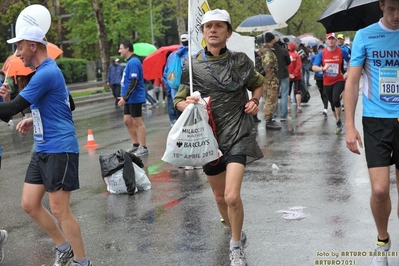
(261,22)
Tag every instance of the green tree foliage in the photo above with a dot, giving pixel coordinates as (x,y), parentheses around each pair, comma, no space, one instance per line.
(130,19)
(124,19)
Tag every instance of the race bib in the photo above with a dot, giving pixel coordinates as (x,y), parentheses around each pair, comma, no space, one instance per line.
(37,126)
(333,70)
(389,85)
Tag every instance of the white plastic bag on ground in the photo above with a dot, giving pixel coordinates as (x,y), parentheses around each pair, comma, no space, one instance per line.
(294,213)
(142,181)
(191,141)
(116,184)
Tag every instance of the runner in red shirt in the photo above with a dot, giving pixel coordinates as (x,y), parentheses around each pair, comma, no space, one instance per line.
(330,61)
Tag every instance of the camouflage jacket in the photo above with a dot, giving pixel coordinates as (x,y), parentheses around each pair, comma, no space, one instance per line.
(269,62)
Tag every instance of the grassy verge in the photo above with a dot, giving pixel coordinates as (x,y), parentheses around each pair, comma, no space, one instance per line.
(77,94)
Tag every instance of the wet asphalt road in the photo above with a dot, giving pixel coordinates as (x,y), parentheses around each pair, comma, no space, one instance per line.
(177,223)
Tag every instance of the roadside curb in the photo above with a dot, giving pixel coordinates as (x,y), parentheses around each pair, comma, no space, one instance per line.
(96,97)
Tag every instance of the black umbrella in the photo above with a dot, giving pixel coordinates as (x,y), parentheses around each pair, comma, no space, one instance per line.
(348,15)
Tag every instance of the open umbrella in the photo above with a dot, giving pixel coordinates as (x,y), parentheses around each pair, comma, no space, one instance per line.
(143,49)
(14,66)
(284,38)
(292,38)
(154,63)
(310,40)
(261,22)
(350,15)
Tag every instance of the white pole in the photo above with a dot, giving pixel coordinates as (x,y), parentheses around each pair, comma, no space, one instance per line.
(190,29)
(152,26)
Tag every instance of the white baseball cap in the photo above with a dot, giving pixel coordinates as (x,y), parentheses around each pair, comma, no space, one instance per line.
(184,37)
(216,15)
(29,33)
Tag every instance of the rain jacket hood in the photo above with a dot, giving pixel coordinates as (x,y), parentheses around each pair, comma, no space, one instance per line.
(182,51)
(291,46)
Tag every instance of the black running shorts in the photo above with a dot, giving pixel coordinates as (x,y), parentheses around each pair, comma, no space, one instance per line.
(133,109)
(381,141)
(215,167)
(54,170)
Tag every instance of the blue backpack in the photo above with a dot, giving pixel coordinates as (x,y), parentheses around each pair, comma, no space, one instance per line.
(174,73)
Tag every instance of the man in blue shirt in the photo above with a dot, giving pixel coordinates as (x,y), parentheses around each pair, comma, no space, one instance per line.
(4,94)
(114,78)
(374,57)
(341,44)
(54,163)
(133,96)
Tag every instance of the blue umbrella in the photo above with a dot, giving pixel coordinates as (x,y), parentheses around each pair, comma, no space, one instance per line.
(261,22)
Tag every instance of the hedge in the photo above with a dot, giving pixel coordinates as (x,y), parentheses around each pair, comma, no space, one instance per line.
(74,70)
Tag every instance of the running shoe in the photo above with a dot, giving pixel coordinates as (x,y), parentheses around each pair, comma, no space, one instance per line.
(379,260)
(237,257)
(133,149)
(325,112)
(3,240)
(63,258)
(77,264)
(141,151)
(244,242)
(338,130)
(222,220)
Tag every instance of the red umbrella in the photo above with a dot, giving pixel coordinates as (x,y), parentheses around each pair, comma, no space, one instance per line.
(14,66)
(154,63)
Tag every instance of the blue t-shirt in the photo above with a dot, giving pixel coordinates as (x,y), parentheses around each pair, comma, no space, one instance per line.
(376,49)
(320,73)
(54,130)
(134,70)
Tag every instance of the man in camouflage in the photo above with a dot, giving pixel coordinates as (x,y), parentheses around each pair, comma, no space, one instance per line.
(270,65)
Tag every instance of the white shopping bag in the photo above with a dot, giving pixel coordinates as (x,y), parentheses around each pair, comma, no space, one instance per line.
(116,184)
(142,181)
(191,141)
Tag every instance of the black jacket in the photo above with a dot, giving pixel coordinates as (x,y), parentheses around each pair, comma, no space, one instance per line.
(283,59)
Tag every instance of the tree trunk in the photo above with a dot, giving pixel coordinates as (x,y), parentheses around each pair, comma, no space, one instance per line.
(102,41)
(181,25)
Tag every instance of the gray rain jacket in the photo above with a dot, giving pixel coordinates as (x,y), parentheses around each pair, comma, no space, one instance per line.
(226,78)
